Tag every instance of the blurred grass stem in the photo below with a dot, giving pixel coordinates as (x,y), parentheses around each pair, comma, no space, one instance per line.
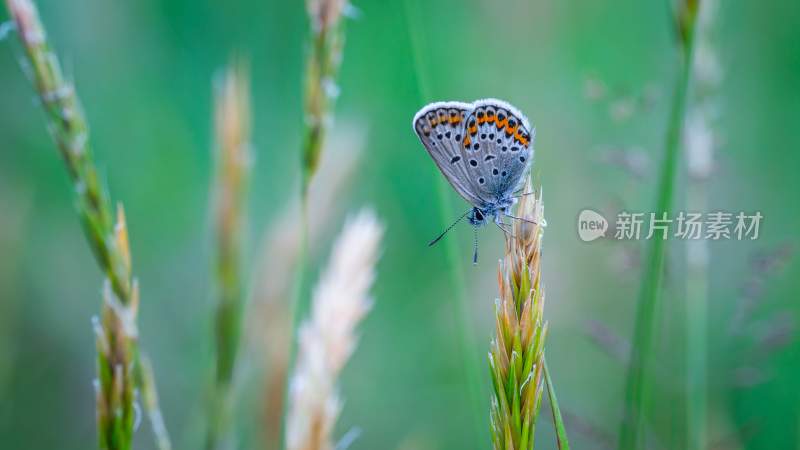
(466,342)
(326,44)
(700,139)
(696,326)
(650,291)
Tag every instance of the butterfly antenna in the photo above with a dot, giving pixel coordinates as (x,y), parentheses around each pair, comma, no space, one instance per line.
(449,228)
(475,254)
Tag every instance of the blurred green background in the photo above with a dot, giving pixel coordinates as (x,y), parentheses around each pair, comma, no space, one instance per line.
(144,69)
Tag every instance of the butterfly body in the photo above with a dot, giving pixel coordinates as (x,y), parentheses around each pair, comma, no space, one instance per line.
(484,149)
(478,217)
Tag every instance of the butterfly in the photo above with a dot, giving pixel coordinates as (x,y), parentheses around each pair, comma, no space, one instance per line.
(484,149)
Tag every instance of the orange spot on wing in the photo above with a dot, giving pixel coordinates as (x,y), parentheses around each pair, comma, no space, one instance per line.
(520,138)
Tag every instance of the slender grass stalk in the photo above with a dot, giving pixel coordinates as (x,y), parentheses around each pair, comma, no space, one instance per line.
(232,125)
(14,225)
(561,431)
(516,358)
(322,70)
(649,294)
(697,330)
(118,363)
(326,44)
(699,142)
(328,337)
(466,340)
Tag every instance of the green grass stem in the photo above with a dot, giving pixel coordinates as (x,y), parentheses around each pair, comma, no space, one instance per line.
(561,430)
(650,291)
(466,342)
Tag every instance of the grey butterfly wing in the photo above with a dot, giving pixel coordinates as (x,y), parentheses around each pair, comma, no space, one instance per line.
(440,128)
(498,141)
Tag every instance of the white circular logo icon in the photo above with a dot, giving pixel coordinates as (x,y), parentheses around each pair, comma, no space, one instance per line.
(591,225)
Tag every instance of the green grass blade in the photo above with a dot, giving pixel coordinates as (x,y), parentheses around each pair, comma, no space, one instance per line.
(649,294)
(466,342)
(561,431)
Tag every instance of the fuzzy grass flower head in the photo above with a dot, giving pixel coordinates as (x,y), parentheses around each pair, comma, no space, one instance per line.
(328,338)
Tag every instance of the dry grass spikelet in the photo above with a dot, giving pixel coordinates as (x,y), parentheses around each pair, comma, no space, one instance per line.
(233,160)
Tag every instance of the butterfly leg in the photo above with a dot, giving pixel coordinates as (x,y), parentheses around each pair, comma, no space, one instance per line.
(524,220)
(523,195)
(508,233)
